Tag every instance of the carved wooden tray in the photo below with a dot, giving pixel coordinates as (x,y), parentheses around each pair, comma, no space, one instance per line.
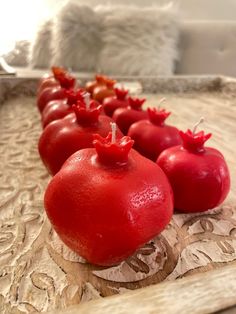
(38,272)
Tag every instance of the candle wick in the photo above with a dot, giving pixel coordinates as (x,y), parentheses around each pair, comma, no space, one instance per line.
(86,97)
(122,86)
(160,102)
(113,132)
(77,84)
(197,124)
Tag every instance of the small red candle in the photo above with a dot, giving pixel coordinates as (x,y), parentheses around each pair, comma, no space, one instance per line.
(100,80)
(102,91)
(125,117)
(153,136)
(107,201)
(58,109)
(56,92)
(110,104)
(61,138)
(51,80)
(198,174)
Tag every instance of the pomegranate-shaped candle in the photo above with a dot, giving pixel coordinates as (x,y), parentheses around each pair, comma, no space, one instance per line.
(58,92)
(198,175)
(58,109)
(106,202)
(102,91)
(125,117)
(63,137)
(51,80)
(100,80)
(153,136)
(110,104)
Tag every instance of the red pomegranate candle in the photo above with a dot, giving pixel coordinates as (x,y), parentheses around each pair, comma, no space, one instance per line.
(125,117)
(110,104)
(58,109)
(58,92)
(198,174)
(102,91)
(153,136)
(107,201)
(51,80)
(63,137)
(100,80)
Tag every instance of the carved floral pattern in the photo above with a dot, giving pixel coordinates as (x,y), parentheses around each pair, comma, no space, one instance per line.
(39,273)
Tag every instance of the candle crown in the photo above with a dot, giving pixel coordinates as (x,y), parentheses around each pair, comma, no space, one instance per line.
(158,116)
(87,114)
(100,78)
(121,93)
(136,103)
(112,151)
(66,81)
(74,95)
(105,80)
(57,72)
(194,142)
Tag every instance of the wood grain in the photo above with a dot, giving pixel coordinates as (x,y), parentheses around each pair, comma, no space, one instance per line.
(198,294)
(39,273)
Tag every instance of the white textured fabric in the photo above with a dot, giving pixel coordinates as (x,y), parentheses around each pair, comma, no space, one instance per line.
(139,41)
(76,37)
(118,40)
(19,55)
(40,52)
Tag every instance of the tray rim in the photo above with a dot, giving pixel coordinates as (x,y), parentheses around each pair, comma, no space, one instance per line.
(173,297)
(12,86)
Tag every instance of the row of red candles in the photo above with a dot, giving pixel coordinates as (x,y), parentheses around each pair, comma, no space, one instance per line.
(106,199)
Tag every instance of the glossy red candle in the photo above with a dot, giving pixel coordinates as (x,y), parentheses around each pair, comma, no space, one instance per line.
(103,91)
(125,117)
(106,202)
(58,109)
(153,136)
(51,80)
(59,92)
(61,138)
(110,104)
(100,80)
(198,175)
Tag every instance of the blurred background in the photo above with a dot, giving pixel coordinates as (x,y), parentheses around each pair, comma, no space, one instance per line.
(20,18)
(207,43)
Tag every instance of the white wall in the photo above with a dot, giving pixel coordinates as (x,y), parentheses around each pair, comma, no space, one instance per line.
(191,9)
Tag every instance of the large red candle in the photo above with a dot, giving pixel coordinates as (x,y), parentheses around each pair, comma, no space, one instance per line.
(107,201)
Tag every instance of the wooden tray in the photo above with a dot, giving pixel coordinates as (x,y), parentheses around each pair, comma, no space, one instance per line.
(39,273)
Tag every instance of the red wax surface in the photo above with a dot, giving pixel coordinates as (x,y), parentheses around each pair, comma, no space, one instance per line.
(198,175)
(119,100)
(57,109)
(125,117)
(153,136)
(105,204)
(61,138)
(99,81)
(67,82)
